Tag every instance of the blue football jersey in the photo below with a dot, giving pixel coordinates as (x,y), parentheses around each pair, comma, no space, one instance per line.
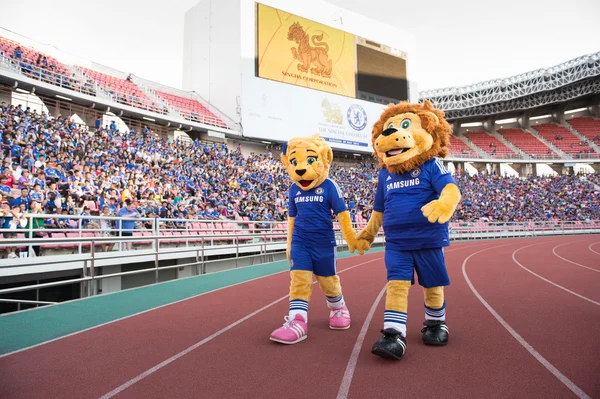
(312,209)
(401,196)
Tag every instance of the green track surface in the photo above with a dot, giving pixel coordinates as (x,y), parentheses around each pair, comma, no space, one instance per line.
(23,329)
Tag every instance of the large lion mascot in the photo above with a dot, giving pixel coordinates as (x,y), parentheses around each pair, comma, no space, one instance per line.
(416,197)
(311,240)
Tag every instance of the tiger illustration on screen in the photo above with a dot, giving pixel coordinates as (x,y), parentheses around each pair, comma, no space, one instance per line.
(309,55)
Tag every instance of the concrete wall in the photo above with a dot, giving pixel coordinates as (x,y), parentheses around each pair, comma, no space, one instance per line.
(212,52)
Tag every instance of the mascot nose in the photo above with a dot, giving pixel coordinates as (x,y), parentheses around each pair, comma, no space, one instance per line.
(388,131)
(300,172)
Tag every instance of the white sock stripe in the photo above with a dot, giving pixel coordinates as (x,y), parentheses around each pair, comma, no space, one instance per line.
(334,299)
(394,322)
(435,314)
(395,319)
(395,316)
(394,312)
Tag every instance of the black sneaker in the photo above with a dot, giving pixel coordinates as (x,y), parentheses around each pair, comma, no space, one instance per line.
(435,332)
(391,345)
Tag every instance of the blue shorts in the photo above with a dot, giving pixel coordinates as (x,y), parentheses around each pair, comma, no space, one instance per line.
(320,261)
(428,263)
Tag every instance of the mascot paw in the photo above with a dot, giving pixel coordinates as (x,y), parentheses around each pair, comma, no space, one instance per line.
(362,246)
(365,236)
(353,245)
(437,211)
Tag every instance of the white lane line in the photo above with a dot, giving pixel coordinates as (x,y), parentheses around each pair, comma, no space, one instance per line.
(207,339)
(349,373)
(591,245)
(560,376)
(351,366)
(549,281)
(570,261)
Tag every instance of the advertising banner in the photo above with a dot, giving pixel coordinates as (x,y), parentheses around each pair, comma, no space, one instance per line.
(298,51)
(273,111)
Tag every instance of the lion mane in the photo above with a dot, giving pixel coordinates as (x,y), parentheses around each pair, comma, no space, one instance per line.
(432,121)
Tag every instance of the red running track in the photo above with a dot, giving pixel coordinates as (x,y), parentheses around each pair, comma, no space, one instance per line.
(194,349)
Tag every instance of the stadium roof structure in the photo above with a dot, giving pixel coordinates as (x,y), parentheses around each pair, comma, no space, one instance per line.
(561,83)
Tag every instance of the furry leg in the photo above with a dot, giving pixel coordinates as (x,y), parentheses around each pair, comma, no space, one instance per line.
(435,306)
(300,292)
(396,305)
(332,289)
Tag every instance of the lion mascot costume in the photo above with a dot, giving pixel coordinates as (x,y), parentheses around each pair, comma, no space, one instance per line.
(310,239)
(415,198)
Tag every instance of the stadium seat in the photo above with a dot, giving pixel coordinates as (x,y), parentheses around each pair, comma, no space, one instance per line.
(191,109)
(123,91)
(458,147)
(563,138)
(490,144)
(527,142)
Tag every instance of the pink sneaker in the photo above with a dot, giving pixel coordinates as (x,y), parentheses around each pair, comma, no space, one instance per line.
(339,319)
(292,332)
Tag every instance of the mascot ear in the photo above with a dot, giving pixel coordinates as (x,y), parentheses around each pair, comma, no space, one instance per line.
(326,155)
(428,117)
(284,158)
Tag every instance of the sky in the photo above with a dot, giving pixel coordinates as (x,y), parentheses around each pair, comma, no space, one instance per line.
(458,42)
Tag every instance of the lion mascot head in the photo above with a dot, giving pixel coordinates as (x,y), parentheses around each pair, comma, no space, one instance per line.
(408,135)
(307,160)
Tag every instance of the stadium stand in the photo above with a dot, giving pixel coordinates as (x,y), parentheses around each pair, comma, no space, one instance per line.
(40,66)
(588,127)
(460,148)
(191,109)
(73,169)
(123,90)
(490,144)
(527,142)
(562,138)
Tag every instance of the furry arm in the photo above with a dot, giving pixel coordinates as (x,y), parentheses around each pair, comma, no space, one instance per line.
(370,231)
(442,209)
(290,226)
(347,230)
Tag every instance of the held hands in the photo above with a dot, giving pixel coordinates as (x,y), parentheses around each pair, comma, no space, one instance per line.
(353,243)
(364,241)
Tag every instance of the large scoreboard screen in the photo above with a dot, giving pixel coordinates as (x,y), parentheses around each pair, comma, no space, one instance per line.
(295,50)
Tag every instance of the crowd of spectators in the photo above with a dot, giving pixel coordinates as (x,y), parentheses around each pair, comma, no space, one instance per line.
(70,169)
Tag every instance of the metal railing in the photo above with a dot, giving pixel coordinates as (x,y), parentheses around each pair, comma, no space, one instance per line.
(47,75)
(265,243)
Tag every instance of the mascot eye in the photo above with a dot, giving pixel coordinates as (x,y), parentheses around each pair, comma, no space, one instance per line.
(294,162)
(311,160)
(406,123)
(391,125)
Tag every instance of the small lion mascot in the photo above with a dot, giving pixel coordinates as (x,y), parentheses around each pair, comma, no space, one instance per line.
(415,198)
(310,239)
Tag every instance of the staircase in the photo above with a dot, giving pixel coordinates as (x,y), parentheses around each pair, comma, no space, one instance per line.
(510,145)
(581,137)
(154,97)
(83,81)
(560,152)
(475,148)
